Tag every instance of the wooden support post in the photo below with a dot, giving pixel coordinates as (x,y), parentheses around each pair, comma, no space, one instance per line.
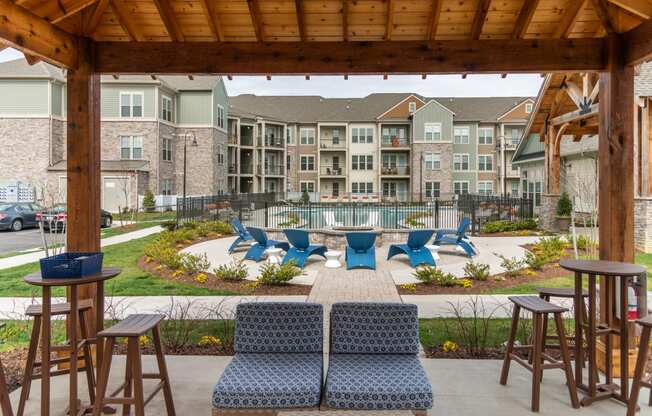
(83,166)
(553,145)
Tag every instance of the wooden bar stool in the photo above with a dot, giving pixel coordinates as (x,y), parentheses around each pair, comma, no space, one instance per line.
(539,309)
(36,312)
(639,372)
(132,328)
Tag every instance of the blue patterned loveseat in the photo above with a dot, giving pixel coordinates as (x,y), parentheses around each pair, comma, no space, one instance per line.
(278,362)
(373,361)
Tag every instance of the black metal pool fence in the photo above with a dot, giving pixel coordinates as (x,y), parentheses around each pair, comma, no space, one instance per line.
(272,210)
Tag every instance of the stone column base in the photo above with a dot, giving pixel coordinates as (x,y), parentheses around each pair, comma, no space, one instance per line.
(643,224)
(548,212)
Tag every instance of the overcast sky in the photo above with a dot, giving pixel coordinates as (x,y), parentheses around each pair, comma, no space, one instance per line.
(359,86)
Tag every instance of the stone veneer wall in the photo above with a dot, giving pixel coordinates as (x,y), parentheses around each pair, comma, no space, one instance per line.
(548,212)
(643,224)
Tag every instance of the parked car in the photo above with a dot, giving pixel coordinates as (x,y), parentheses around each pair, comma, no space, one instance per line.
(57,216)
(16,216)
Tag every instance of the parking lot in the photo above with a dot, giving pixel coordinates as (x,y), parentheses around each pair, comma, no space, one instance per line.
(13,242)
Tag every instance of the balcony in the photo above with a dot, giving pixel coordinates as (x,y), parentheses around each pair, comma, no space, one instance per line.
(511,143)
(395,142)
(233,140)
(397,170)
(274,142)
(336,171)
(247,169)
(273,170)
(233,169)
(246,141)
(330,144)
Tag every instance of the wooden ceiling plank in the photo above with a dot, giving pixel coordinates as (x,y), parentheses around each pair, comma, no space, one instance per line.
(479,18)
(66,13)
(212,20)
(568,19)
(433,20)
(300,20)
(254,12)
(641,8)
(94,20)
(27,32)
(345,20)
(389,23)
(602,11)
(125,19)
(169,20)
(524,18)
(381,57)
(639,44)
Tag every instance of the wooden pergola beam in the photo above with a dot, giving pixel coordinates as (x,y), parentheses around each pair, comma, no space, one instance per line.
(524,18)
(479,18)
(94,20)
(254,12)
(212,19)
(27,32)
(433,20)
(641,8)
(569,18)
(330,58)
(298,4)
(389,24)
(602,10)
(72,10)
(345,20)
(126,20)
(169,20)
(638,44)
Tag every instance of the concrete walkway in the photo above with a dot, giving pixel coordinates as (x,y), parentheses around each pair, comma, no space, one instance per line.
(461,388)
(19,260)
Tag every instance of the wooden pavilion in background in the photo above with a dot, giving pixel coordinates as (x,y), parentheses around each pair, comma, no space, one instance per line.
(603,38)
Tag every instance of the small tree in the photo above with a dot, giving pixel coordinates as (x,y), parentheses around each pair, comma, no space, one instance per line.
(149,202)
(564,205)
(305,197)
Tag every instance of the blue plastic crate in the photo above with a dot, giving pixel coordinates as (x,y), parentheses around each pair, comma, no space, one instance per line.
(71,265)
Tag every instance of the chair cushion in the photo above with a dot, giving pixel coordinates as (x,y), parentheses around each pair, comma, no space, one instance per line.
(377,381)
(279,327)
(270,381)
(374,328)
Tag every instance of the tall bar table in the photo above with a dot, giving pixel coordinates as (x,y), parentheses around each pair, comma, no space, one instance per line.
(614,273)
(46,332)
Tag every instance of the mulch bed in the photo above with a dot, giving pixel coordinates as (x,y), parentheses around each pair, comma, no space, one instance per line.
(243,287)
(548,271)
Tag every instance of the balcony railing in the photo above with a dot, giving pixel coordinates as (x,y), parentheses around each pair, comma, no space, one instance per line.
(274,142)
(395,170)
(332,171)
(246,141)
(278,170)
(233,169)
(332,144)
(395,142)
(233,139)
(247,168)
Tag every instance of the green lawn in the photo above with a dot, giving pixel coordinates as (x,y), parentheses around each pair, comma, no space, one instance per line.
(113,231)
(133,281)
(146,216)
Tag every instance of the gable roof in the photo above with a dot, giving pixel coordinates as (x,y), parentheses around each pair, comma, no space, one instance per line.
(529,149)
(399,103)
(19,68)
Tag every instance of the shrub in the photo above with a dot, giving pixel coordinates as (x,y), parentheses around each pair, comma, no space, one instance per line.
(305,197)
(564,205)
(535,261)
(169,225)
(293,219)
(552,248)
(505,226)
(149,202)
(195,264)
(413,219)
(511,265)
(477,271)
(274,274)
(235,270)
(432,275)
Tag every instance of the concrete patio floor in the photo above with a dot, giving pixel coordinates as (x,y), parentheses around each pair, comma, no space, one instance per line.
(461,387)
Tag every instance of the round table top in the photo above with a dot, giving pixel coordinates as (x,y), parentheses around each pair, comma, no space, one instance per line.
(105,274)
(602,267)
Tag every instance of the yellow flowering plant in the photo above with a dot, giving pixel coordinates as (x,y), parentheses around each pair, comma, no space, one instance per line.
(201,278)
(411,287)
(450,346)
(209,340)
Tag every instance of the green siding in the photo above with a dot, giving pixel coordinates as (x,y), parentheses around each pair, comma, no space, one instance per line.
(111,99)
(471,148)
(220,97)
(57,92)
(24,97)
(433,112)
(194,107)
(171,94)
(533,145)
(470,177)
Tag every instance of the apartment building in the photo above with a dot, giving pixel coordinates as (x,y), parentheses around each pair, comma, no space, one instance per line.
(395,146)
(145,122)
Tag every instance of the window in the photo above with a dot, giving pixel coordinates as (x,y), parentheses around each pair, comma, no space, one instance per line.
(461,187)
(131,147)
(486,135)
(485,162)
(221,116)
(460,161)
(220,155)
(516,134)
(514,191)
(166,108)
(362,135)
(432,132)
(412,106)
(167,150)
(390,133)
(131,104)
(433,161)
(307,163)
(537,194)
(362,162)
(289,135)
(307,186)
(307,136)
(362,187)
(433,189)
(528,108)
(166,187)
(485,188)
(336,136)
(389,189)
(461,135)
(288,162)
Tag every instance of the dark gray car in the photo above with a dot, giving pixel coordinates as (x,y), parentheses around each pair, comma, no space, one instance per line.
(16,216)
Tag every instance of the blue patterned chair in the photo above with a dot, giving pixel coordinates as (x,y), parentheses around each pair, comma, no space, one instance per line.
(373,361)
(278,362)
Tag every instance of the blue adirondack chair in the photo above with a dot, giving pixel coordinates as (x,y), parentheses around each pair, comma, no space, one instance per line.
(457,238)
(415,248)
(262,243)
(360,250)
(301,248)
(243,234)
